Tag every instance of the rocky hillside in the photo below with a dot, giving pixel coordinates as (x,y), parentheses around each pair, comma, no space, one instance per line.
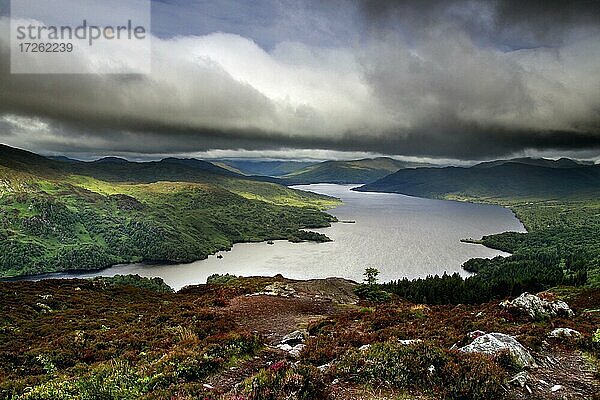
(274,338)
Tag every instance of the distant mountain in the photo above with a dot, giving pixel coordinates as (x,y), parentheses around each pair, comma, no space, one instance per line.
(115,169)
(262,167)
(112,160)
(62,158)
(508,179)
(199,165)
(356,171)
(540,162)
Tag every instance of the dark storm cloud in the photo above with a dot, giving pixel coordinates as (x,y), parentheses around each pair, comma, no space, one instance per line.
(546,21)
(458,60)
(427,78)
(503,22)
(471,142)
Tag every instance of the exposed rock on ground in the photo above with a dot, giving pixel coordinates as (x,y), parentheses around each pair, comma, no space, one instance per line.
(537,308)
(408,342)
(294,338)
(277,289)
(519,379)
(492,343)
(565,333)
(337,290)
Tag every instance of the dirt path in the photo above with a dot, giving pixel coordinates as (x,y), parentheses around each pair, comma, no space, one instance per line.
(567,372)
(274,316)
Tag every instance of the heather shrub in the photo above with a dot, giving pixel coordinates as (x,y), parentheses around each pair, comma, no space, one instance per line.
(234,346)
(196,364)
(425,367)
(471,376)
(113,381)
(320,350)
(324,348)
(156,284)
(595,343)
(219,279)
(284,381)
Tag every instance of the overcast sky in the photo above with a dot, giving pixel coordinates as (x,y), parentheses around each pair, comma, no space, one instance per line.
(439,79)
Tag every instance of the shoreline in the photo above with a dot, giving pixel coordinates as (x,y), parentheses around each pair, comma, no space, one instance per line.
(50,275)
(88,273)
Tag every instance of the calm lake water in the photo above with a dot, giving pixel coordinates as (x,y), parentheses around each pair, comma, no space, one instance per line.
(400,235)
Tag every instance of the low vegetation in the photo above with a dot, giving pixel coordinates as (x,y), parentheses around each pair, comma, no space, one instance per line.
(424,367)
(120,338)
(129,338)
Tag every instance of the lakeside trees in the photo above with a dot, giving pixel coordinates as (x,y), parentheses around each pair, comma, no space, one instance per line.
(562,248)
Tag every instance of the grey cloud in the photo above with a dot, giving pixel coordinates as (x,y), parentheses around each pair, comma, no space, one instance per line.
(512,23)
(428,79)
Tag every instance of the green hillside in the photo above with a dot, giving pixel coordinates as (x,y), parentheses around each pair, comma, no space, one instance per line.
(73,215)
(357,171)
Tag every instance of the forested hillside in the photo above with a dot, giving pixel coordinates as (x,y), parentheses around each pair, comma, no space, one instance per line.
(72,215)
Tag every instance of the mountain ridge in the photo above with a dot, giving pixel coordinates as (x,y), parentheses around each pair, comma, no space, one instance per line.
(349,172)
(507,179)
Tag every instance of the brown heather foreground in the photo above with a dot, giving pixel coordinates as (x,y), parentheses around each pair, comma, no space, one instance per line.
(79,339)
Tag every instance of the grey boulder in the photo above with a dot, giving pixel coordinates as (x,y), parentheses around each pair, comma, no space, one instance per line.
(565,333)
(538,308)
(492,343)
(294,338)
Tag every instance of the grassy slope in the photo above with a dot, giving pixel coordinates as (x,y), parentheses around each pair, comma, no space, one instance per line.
(53,217)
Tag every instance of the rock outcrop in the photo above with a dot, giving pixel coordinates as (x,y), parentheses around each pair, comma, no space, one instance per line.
(565,333)
(492,343)
(537,308)
(519,379)
(293,343)
(277,289)
(294,338)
